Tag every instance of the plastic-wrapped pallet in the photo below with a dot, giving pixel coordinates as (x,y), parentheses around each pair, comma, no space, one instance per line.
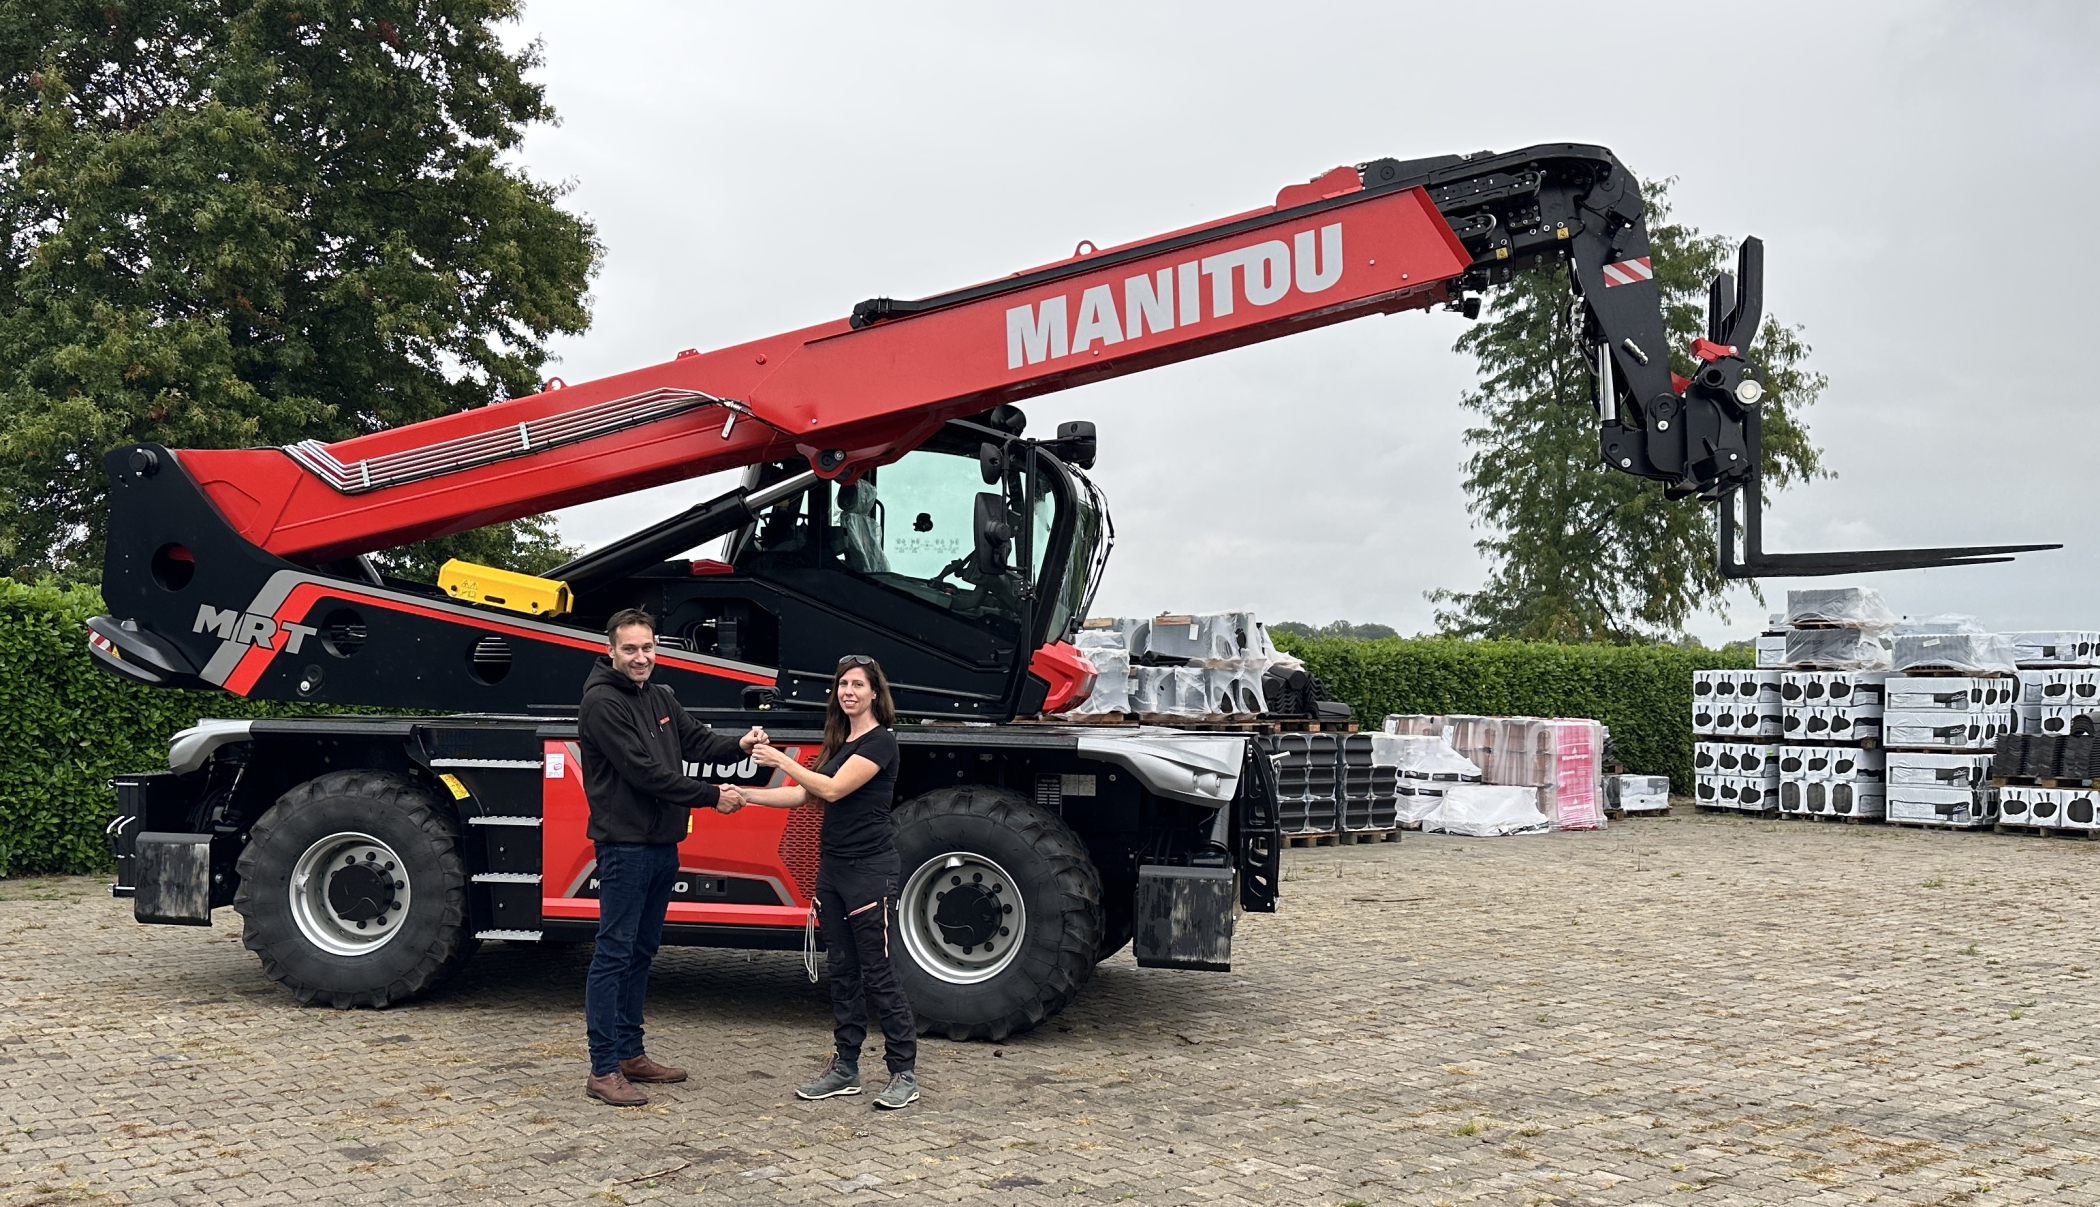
(2063,648)
(1487,810)
(2059,687)
(1842,607)
(1638,793)
(1951,790)
(1835,650)
(2047,808)
(1111,692)
(1968,653)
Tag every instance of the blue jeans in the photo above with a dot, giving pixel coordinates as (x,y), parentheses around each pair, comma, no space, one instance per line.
(634,889)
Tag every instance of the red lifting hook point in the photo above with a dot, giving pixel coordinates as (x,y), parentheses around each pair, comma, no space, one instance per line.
(1086,248)
(553,383)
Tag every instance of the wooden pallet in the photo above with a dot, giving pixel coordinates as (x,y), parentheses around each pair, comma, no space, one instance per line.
(1846,818)
(1622,815)
(1311,840)
(2008,827)
(2037,781)
(1951,827)
(1933,672)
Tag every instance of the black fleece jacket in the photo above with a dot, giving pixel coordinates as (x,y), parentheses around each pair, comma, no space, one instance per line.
(635,740)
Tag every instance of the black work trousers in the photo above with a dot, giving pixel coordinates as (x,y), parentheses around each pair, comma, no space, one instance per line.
(854,902)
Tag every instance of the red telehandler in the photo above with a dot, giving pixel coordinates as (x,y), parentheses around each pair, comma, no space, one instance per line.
(892,504)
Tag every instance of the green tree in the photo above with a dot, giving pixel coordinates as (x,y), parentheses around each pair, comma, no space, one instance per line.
(248,222)
(1578,552)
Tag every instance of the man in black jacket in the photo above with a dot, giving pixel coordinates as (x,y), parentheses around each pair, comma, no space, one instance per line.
(635,741)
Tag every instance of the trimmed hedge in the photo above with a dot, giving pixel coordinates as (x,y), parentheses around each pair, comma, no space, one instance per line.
(1643,692)
(66,728)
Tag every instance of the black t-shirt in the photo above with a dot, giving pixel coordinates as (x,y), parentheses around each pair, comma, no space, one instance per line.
(857,825)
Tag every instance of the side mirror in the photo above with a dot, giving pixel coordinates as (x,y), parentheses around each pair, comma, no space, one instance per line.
(991,462)
(1075,443)
(993,536)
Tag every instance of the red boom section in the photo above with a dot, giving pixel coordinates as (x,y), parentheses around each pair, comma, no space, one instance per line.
(873,393)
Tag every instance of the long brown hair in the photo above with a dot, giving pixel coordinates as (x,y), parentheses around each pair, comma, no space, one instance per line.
(836,725)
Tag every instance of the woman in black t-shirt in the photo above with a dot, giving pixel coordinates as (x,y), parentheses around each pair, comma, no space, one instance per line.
(857,874)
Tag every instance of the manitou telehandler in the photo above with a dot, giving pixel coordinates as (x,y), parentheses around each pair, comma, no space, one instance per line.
(891,505)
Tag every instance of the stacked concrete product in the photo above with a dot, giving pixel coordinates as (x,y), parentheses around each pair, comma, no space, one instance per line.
(1637,793)
(1952,698)
(1203,666)
(1736,725)
(1307,768)
(1561,759)
(2043,773)
(1831,699)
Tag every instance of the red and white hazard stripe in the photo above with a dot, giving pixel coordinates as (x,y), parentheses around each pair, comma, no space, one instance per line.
(1626,272)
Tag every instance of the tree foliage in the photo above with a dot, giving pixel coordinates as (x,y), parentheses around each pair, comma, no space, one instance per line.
(250,222)
(1579,552)
(1370,631)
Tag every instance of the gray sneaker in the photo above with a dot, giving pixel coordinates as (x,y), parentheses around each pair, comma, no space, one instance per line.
(840,1077)
(902,1091)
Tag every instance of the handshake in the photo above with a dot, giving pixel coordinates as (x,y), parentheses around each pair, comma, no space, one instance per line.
(759,746)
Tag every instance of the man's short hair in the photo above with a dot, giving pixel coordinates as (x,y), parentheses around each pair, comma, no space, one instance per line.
(624,617)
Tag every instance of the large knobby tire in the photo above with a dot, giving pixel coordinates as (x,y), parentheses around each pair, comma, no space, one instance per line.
(352,891)
(983,863)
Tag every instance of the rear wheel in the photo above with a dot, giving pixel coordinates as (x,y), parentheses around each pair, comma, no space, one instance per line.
(352,891)
(999,912)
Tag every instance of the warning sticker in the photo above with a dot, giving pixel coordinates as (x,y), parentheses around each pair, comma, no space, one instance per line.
(557,764)
(1627,272)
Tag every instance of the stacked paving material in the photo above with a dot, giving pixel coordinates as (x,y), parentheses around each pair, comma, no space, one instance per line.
(1830,761)
(1737,721)
(2044,781)
(1624,794)
(2059,675)
(1946,790)
(1946,710)
(1425,767)
(1932,721)
(1561,759)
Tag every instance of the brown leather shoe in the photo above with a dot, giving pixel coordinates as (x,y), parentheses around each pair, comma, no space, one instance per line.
(613,1089)
(641,1068)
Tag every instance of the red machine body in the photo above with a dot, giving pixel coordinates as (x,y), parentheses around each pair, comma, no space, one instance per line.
(874,392)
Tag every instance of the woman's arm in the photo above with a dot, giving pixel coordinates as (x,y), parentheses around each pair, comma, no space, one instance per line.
(850,778)
(790,797)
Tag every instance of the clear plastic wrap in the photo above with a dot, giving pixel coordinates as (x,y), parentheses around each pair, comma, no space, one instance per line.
(1945,624)
(1771,652)
(2071,686)
(2059,648)
(1111,692)
(1906,693)
(1422,756)
(1639,793)
(1835,650)
(1848,607)
(1973,653)
(1488,810)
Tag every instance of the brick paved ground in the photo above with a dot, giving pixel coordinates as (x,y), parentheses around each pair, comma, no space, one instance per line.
(1698,1010)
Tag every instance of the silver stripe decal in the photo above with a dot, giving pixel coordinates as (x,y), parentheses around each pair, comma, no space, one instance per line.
(501,444)
(518,764)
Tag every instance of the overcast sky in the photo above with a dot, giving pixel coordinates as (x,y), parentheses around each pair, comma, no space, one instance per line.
(1920,174)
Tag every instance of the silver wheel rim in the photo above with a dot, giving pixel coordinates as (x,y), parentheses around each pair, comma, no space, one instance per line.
(934,946)
(345,862)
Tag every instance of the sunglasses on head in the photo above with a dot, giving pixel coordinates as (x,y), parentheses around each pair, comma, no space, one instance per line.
(856,660)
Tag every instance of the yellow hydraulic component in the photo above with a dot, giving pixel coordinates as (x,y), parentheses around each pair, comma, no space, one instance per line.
(503,588)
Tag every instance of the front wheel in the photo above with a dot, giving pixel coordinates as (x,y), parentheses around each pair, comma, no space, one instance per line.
(999,913)
(352,891)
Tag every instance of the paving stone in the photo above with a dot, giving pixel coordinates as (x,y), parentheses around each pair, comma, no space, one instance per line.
(1702,1009)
